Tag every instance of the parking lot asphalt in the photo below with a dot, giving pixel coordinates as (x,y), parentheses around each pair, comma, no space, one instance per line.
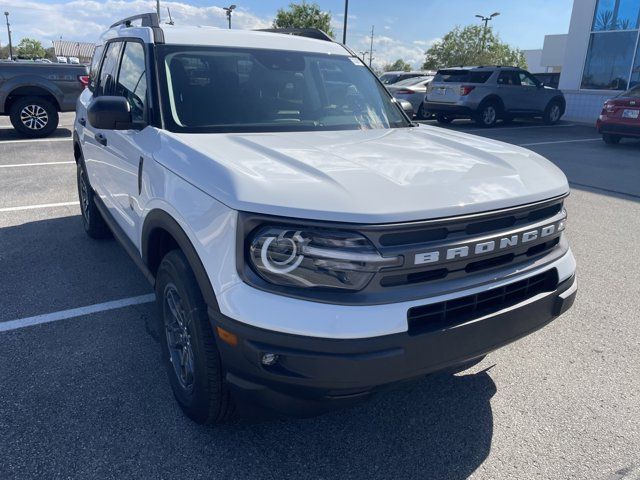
(85,397)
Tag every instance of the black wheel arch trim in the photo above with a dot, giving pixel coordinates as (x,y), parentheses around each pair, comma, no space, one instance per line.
(160,219)
(492,99)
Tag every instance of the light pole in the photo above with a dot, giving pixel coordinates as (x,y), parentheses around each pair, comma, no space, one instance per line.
(344,29)
(229,9)
(486,21)
(6,14)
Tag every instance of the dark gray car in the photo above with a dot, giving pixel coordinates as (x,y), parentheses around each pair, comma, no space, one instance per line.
(33,93)
(487,94)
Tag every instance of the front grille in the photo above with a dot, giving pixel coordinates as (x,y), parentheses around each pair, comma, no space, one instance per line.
(450,230)
(437,316)
(411,240)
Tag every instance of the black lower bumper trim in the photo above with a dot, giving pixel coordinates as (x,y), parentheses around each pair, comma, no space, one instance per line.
(312,375)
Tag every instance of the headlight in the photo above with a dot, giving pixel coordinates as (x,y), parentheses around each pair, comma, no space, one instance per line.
(316,258)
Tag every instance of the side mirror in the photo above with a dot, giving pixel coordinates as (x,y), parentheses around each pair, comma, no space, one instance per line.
(407,107)
(110,113)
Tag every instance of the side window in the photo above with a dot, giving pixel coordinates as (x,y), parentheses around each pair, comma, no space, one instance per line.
(95,66)
(132,80)
(109,69)
(506,78)
(527,80)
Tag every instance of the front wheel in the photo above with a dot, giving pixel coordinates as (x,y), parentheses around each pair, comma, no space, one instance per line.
(189,350)
(610,139)
(33,117)
(552,113)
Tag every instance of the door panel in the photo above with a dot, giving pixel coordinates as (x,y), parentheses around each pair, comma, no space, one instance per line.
(123,146)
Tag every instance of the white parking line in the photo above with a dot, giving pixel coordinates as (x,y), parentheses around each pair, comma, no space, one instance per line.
(560,141)
(42,205)
(14,165)
(32,140)
(75,312)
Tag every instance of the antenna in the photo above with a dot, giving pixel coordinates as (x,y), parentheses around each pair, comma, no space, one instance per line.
(170,22)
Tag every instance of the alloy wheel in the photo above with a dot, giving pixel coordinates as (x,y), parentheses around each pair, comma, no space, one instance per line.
(84,198)
(34,117)
(554,115)
(489,115)
(176,326)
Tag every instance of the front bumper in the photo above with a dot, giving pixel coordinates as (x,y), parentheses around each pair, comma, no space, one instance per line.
(313,375)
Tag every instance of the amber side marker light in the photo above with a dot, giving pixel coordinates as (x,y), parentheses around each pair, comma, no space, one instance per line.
(227,337)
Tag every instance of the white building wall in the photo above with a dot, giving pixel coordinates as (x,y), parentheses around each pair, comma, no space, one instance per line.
(534,61)
(554,51)
(582,105)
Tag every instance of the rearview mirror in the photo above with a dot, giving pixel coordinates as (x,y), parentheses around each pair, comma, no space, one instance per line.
(407,107)
(110,113)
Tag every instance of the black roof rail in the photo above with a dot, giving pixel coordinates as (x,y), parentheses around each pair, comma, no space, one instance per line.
(147,20)
(314,33)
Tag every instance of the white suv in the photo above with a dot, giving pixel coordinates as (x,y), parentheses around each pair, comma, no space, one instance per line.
(307,243)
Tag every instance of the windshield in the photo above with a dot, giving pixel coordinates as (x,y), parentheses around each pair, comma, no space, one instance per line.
(212,89)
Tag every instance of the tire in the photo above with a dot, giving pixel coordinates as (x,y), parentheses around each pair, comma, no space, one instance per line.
(422,113)
(553,113)
(33,117)
(92,220)
(444,119)
(189,350)
(611,139)
(487,115)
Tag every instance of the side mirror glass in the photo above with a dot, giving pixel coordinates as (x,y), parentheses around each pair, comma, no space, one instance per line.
(110,113)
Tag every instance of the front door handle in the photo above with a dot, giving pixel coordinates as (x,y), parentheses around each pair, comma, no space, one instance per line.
(100,138)
(82,122)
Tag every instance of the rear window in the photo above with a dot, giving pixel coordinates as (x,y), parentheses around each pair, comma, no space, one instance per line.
(461,76)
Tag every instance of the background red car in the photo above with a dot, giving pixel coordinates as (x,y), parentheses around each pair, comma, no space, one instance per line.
(620,117)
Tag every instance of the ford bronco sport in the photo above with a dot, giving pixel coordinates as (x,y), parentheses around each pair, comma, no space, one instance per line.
(308,244)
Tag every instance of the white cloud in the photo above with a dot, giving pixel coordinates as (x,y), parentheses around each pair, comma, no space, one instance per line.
(85,20)
(387,50)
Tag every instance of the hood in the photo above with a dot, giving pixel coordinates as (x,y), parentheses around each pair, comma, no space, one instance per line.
(372,176)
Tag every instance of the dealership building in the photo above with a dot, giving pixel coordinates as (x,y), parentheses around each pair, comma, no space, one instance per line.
(600,56)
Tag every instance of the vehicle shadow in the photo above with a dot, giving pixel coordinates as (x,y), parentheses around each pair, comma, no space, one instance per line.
(9,134)
(440,427)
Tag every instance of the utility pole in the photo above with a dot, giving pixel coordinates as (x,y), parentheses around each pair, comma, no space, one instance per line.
(486,21)
(371,47)
(6,14)
(229,10)
(158,9)
(344,29)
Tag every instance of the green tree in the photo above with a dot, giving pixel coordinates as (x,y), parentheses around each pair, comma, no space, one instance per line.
(398,66)
(472,45)
(30,48)
(305,15)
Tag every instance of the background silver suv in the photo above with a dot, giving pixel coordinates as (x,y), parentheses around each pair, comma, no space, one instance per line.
(488,94)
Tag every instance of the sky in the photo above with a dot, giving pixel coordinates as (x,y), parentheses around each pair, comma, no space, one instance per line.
(403,28)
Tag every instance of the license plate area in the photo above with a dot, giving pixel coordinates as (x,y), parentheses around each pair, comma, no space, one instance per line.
(628,113)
